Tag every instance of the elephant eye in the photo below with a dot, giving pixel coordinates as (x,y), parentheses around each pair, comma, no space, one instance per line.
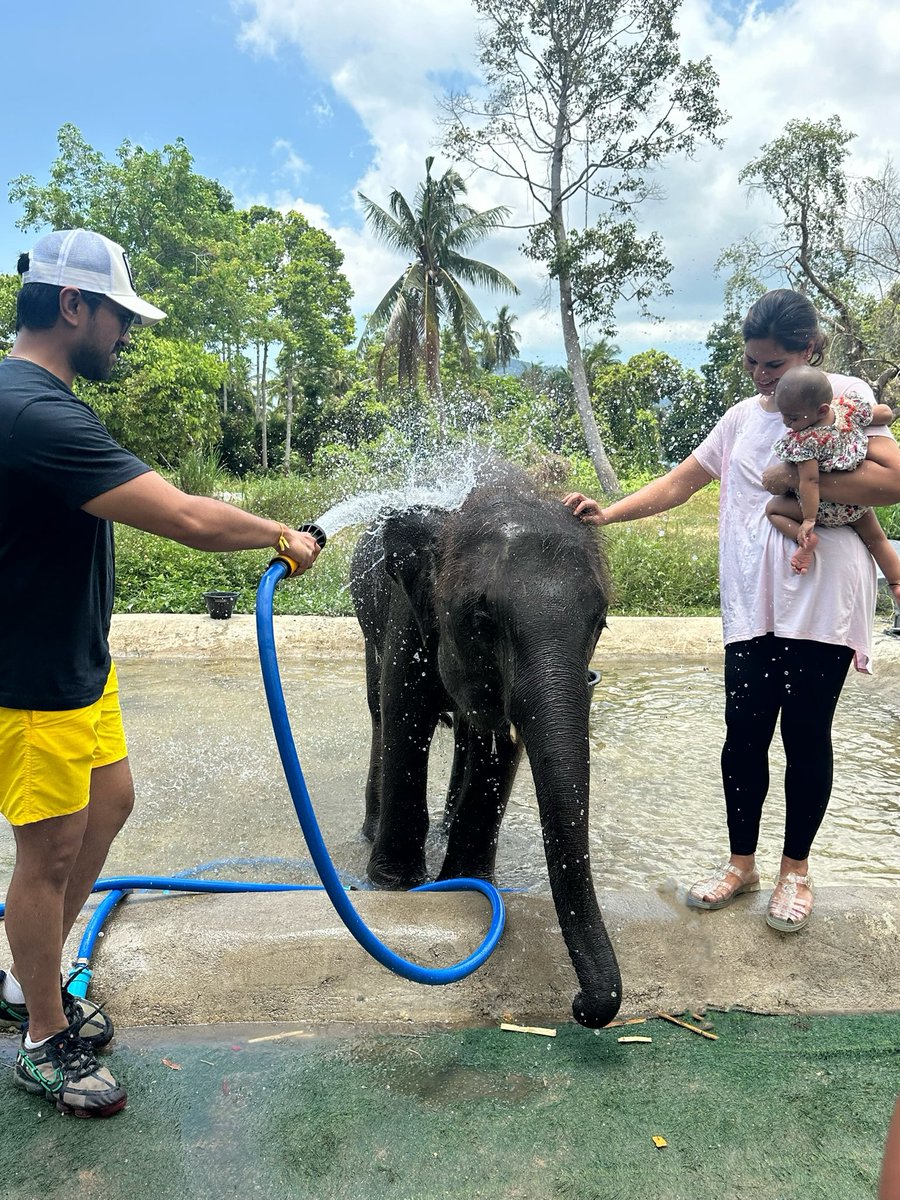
(481,619)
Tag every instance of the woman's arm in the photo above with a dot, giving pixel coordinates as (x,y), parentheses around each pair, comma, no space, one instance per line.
(875,481)
(662,494)
(882,414)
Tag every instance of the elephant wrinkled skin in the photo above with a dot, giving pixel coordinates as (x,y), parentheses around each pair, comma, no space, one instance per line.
(489,613)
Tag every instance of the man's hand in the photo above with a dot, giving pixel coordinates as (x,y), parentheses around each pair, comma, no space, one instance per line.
(303,549)
(780,479)
(585,508)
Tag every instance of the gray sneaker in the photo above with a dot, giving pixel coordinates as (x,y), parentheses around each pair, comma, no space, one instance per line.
(94,1026)
(65,1070)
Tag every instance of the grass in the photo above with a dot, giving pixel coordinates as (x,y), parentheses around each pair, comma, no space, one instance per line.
(661,566)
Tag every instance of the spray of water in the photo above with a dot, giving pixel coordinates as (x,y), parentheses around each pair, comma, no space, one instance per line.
(436,482)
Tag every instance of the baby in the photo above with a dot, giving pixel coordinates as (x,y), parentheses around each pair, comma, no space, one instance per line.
(826,434)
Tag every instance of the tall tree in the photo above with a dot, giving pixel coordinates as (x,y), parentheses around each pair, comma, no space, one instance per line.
(506,339)
(837,240)
(313,298)
(584,98)
(435,230)
(802,172)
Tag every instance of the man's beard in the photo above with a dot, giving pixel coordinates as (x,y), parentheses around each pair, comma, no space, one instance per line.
(90,362)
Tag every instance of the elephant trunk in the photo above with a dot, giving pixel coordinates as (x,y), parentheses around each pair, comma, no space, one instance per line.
(550,705)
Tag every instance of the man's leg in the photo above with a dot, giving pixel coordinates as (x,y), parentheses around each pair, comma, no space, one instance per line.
(112,799)
(46,852)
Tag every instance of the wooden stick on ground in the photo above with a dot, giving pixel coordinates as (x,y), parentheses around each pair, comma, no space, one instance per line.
(713,1037)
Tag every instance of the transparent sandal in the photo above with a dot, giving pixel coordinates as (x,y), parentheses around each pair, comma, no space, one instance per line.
(788,911)
(721,888)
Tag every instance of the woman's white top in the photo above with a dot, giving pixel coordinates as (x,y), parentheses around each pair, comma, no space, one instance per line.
(835,601)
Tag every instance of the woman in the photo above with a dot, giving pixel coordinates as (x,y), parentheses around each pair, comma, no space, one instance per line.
(789,638)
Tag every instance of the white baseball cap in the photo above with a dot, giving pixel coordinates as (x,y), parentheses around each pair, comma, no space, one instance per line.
(79,258)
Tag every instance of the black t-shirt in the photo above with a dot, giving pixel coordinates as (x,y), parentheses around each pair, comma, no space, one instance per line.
(57,566)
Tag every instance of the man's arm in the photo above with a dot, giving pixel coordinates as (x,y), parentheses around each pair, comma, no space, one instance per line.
(149,502)
(875,481)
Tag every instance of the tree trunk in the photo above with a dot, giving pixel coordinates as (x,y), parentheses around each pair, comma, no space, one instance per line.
(433,363)
(605,473)
(264,408)
(288,417)
(604,468)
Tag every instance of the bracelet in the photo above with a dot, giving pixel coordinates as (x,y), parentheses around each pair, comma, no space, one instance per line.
(282,542)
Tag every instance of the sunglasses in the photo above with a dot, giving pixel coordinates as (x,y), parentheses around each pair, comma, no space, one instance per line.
(126,319)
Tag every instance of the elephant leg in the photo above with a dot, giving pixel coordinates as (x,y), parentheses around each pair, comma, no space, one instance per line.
(373,781)
(487,768)
(410,707)
(457,771)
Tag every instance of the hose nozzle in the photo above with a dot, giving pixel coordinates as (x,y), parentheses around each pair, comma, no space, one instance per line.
(316,531)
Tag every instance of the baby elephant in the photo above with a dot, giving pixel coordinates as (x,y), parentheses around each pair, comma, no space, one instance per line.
(489,613)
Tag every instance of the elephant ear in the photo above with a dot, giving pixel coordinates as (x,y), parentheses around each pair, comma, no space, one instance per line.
(411,547)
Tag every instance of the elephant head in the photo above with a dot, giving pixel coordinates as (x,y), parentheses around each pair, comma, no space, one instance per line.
(490,613)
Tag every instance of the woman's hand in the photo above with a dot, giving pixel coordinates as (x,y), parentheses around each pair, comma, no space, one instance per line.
(585,508)
(780,478)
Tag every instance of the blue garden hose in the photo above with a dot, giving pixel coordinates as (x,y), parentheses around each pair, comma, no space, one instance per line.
(119,887)
(265,636)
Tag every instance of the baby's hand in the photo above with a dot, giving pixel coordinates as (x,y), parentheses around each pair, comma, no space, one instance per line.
(585,508)
(803,536)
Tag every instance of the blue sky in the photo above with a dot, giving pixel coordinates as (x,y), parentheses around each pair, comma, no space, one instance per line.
(170,70)
(302,102)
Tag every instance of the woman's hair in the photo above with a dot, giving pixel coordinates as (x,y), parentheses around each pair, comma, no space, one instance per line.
(37,304)
(789,319)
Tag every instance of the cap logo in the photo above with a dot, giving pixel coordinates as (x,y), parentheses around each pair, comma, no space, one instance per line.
(128,270)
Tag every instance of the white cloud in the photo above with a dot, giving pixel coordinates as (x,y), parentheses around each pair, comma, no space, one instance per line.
(803,60)
(292,164)
(321,109)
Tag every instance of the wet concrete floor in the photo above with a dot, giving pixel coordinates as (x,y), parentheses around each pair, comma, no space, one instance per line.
(210,785)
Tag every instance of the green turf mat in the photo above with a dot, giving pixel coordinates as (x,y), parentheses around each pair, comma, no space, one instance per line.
(777,1108)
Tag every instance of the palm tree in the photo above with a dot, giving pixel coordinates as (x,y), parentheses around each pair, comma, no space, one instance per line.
(506,340)
(435,233)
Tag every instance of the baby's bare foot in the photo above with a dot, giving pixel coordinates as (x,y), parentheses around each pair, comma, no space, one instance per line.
(802,558)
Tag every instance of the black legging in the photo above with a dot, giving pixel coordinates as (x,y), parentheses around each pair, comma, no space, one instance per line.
(802,680)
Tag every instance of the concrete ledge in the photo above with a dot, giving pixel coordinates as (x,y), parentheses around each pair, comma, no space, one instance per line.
(287,957)
(190,635)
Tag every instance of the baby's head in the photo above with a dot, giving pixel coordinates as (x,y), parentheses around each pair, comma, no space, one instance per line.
(803,396)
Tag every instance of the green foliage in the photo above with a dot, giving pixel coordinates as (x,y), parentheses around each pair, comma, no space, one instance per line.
(164,401)
(9,286)
(723,373)
(889,516)
(200,473)
(651,409)
(667,565)
(227,280)
(170,219)
(604,264)
(844,261)
(156,575)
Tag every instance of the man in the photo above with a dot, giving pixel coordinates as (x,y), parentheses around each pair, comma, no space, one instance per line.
(65,782)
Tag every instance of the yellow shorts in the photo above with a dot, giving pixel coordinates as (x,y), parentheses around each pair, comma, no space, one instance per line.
(46,758)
